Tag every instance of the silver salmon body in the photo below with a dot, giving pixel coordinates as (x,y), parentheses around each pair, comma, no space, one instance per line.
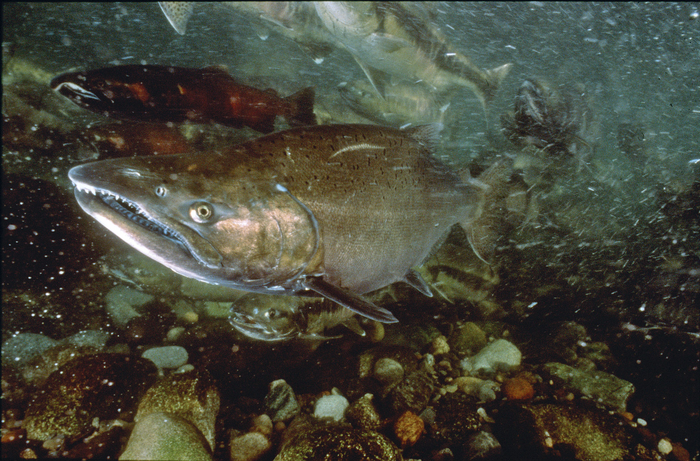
(339,210)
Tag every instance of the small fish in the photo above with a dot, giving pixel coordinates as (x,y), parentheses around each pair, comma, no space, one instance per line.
(402,104)
(126,139)
(259,317)
(296,21)
(387,39)
(336,210)
(176,94)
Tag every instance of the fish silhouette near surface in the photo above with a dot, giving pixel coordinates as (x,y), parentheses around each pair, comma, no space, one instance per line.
(335,210)
(388,39)
(296,21)
(176,94)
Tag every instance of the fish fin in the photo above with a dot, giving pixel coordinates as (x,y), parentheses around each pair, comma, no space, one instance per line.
(302,108)
(495,77)
(263,126)
(375,77)
(352,301)
(387,43)
(318,337)
(483,226)
(317,51)
(353,325)
(414,279)
(217,69)
(177,14)
(428,135)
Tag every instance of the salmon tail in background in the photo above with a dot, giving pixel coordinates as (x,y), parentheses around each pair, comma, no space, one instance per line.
(503,197)
(494,77)
(301,108)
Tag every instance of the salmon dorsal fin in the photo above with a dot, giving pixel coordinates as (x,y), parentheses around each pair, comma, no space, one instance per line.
(352,301)
(428,135)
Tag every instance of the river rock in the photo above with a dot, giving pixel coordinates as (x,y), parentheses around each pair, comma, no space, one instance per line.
(99,385)
(331,408)
(388,371)
(121,303)
(500,355)
(467,339)
(40,367)
(481,445)
(161,436)
(413,393)
(91,338)
(191,396)
(362,414)
(280,402)
(249,447)
(544,431)
(339,442)
(601,387)
(455,418)
(167,356)
(20,349)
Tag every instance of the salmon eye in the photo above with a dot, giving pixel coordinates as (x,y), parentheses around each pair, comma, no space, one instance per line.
(201,212)
(161,191)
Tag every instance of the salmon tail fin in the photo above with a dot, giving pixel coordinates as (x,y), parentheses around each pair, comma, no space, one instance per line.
(177,13)
(494,78)
(503,200)
(301,108)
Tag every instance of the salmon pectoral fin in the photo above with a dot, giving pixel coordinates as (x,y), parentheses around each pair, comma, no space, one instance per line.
(301,108)
(352,301)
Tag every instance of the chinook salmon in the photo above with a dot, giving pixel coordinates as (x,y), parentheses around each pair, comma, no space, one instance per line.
(176,94)
(336,210)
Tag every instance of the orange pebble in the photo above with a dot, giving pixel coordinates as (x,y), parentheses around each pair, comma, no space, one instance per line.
(518,388)
(408,428)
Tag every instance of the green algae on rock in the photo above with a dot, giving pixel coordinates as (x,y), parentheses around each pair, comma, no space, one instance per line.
(341,443)
(163,436)
(546,430)
(601,387)
(92,386)
(191,396)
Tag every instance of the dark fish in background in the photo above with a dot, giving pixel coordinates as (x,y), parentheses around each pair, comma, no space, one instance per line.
(176,94)
(336,210)
(545,117)
(126,139)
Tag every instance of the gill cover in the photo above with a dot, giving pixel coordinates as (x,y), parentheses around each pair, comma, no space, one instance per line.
(268,239)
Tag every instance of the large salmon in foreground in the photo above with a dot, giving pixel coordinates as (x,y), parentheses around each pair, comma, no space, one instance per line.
(339,210)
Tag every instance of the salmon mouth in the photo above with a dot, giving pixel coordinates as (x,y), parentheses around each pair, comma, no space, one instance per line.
(118,208)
